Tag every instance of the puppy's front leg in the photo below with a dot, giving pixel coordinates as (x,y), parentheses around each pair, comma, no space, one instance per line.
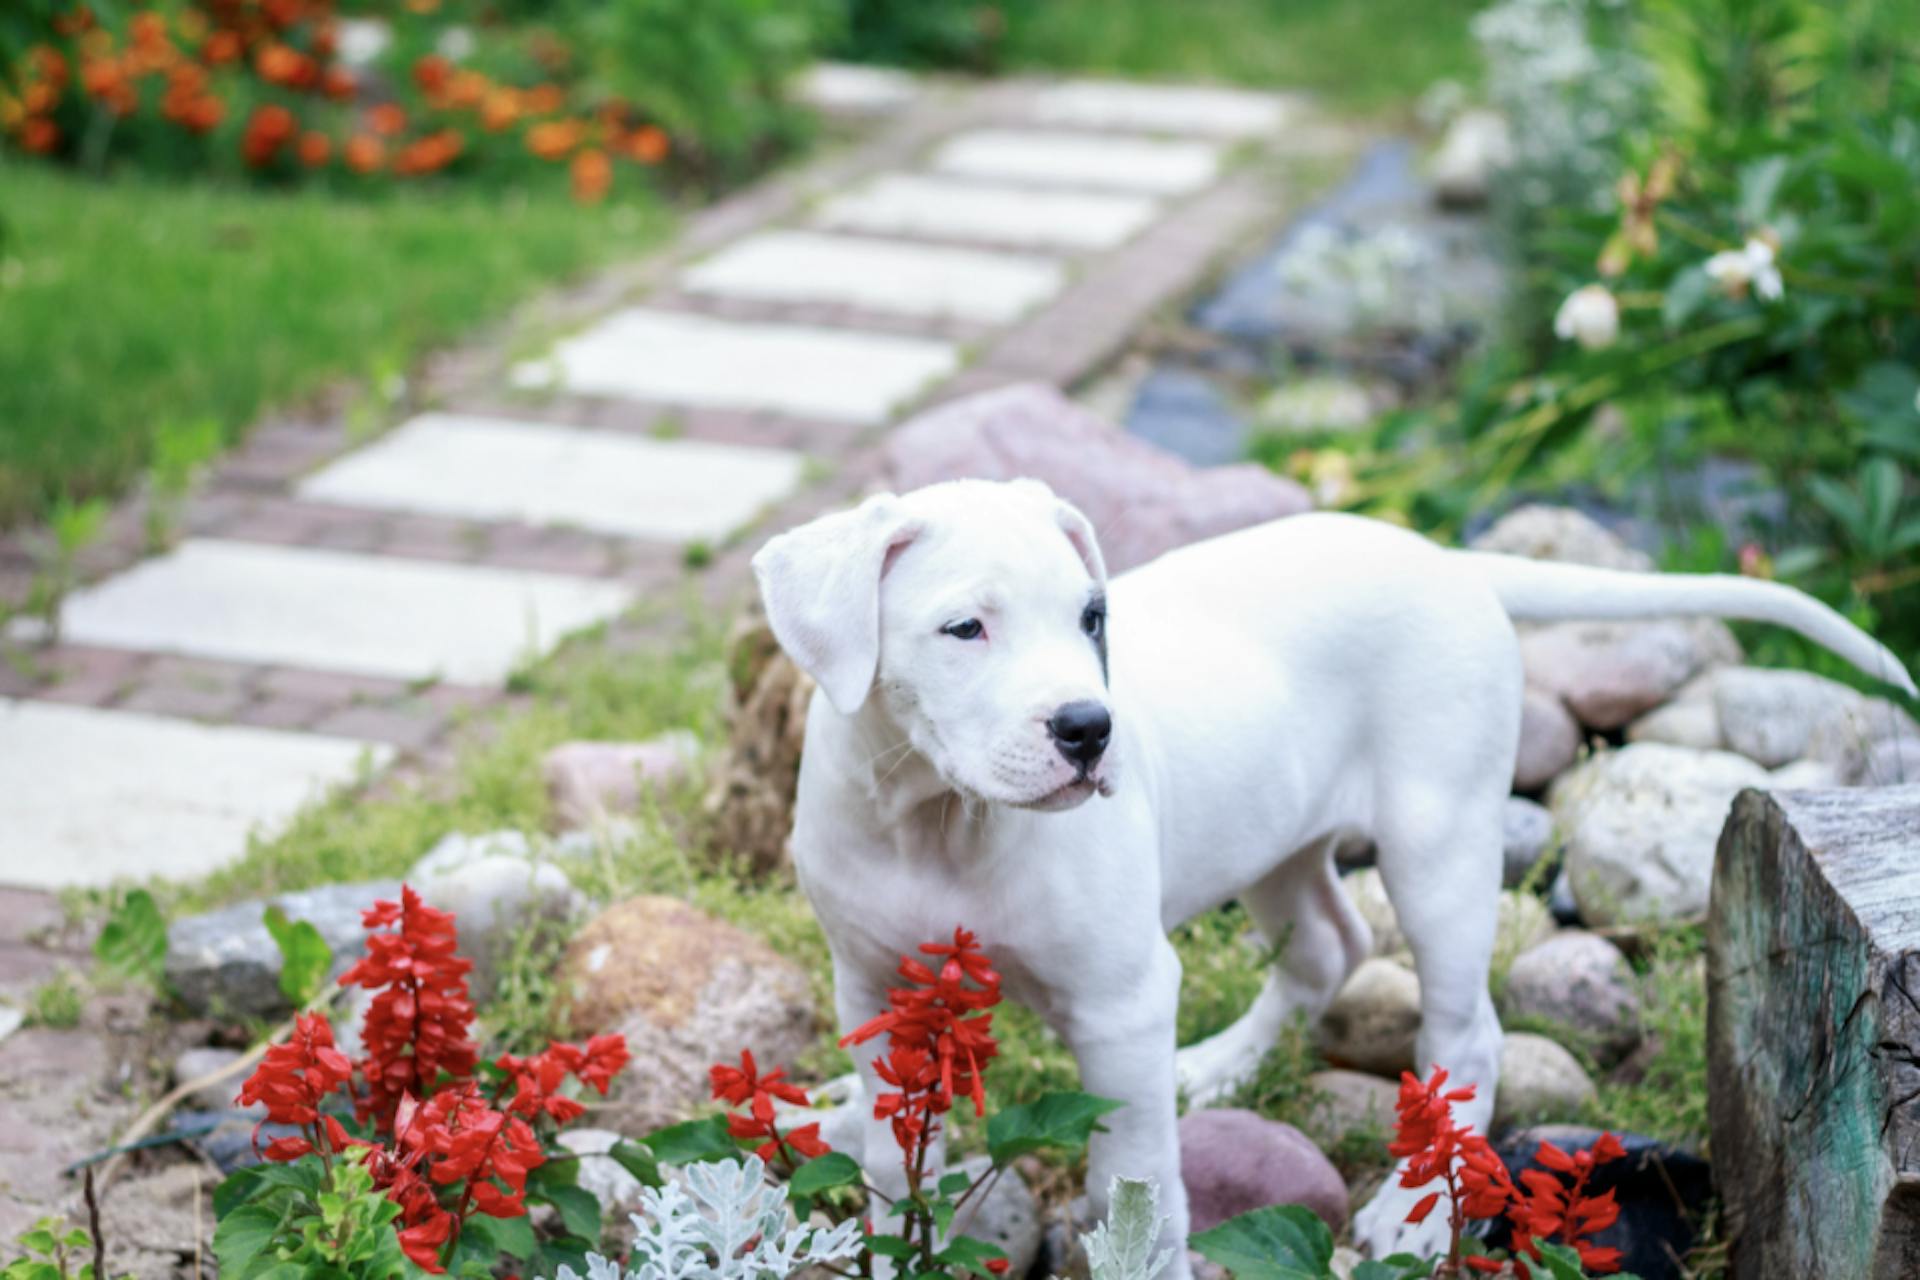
(1123,1038)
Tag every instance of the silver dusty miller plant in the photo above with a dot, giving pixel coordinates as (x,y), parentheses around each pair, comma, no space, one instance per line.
(702,1231)
(1121,1248)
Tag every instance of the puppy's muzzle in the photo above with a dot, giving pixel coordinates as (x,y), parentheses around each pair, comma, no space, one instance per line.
(1081,731)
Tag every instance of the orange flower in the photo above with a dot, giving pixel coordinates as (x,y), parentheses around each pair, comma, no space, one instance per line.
(592,176)
(221,48)
(429,154)
(423,6)
(205,115)
(282,13)
(500,111)
(315,149)
(431,73)
(545,99)
(149,30)
(466,89)
(387,119)
(325,41)
(555,139)
(364,153)
(39,135)
(51,65)
(277,64)
(648,144)
(101,77)
(39,98)
(337,83)
(268,129)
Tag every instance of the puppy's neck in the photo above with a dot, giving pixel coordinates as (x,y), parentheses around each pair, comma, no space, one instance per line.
(884,763)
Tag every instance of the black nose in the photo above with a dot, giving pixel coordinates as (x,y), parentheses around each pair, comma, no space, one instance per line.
(1080,730)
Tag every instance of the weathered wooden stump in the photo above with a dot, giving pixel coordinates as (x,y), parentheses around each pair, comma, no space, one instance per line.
(1814,1033)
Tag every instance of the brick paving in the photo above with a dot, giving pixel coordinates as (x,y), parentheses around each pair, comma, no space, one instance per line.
(1175,178)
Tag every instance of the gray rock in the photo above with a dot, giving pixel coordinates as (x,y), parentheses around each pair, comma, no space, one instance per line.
(198,1063)
(1777,717)
(495,885)
(1641,825)
(1008,1216)
(1549,740)
(1524,923)
(1685,722)
(1807,775)
(687,991)
(1891,762)
(1349,1103)
(1142,501)
(1541,532)
(1476,146)
(1610,672)
(1372,1023)
(1186,414)
(617,1190)
(1560,899)
(1234,1161)
(1581,982)
(1539,1080)
(225,964)
(1369,897)
(1526,832)
(589,782)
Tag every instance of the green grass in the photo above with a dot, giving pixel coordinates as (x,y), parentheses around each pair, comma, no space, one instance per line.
(1360,54)
(125,304)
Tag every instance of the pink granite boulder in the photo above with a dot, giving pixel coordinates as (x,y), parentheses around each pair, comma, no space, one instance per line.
(1234,1161)
(1142,500)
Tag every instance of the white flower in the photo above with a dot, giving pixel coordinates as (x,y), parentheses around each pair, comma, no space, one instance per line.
(1751,265)
(1589,316)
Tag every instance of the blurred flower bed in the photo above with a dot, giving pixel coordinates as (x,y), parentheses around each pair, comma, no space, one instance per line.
(296,91)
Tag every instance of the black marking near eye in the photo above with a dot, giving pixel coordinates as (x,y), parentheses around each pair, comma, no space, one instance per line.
(1093,621)
(965,629)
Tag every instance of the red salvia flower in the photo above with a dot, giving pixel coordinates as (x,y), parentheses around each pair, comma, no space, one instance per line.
(939,1042)
(745,1086)
(291,1082)
(416,1028)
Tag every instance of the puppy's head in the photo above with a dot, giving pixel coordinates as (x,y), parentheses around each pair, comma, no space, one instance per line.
(976,613)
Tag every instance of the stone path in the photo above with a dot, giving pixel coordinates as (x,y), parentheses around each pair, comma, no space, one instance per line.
(336,601)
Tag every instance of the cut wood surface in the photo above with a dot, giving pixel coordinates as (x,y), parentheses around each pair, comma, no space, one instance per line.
(1814,1033)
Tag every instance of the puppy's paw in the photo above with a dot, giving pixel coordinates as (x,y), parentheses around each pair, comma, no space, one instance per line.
(1381,1228)
(1209,1072)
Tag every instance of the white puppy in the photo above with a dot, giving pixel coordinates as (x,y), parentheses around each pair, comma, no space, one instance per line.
(1261,695)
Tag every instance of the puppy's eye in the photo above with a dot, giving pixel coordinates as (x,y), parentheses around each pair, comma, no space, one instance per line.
(965,629)
(1093,620)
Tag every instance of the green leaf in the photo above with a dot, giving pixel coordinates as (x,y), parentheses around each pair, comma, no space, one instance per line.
(579,1210)
(134,941)
(1056,1121)
(824,1173)
(1686,294)
(1561,1262)
(694,1141)
(954,1183)
(890,1247)
(637,1160)
(511,1236)
(244,1235)
(1398,1266)
(1279,1242)
(305,957)
(973,1255)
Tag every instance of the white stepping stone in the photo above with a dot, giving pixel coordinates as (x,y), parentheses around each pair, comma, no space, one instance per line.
(843,88)
(1154,165)
(696,360)
(1214,113)
(920,205)
(88,796)
(491,469)
(913,279)
(335,611)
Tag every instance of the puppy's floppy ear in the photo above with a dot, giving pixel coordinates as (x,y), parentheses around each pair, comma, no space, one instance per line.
(1078,528)
(821,585)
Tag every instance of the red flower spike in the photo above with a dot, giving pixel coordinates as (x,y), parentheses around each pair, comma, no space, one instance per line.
(417,1026)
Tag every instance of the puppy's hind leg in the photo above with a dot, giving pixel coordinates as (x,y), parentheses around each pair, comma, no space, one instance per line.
(1319,939)
(1440,861)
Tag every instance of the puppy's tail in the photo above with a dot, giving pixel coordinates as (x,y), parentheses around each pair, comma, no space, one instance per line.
(1548,591)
